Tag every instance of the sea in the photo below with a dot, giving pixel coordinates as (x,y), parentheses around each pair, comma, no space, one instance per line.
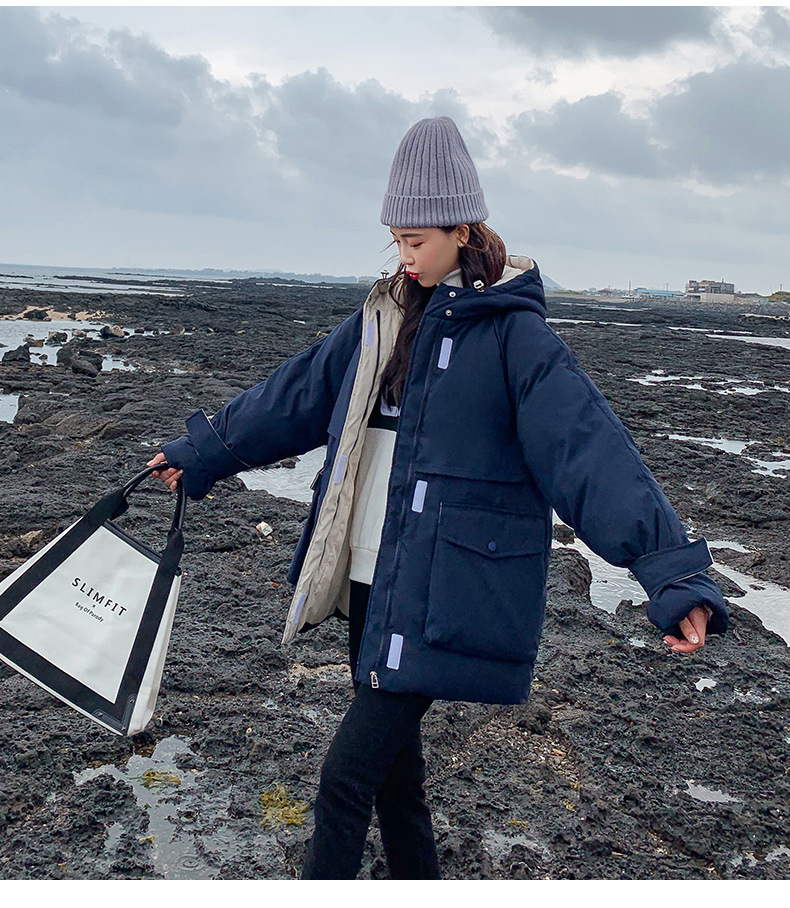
(165,281)
(66,279)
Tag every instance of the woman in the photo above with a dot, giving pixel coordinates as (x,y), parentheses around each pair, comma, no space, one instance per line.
(455,420)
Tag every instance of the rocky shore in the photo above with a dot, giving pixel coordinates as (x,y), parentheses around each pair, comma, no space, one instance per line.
(627,763)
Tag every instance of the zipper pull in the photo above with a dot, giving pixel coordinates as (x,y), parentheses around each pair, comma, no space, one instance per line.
(374,680)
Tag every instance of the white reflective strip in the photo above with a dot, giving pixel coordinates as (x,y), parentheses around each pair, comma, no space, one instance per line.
(396,646)
(298,612)
(369,333)
(419,495)
(341,465)
(444,353)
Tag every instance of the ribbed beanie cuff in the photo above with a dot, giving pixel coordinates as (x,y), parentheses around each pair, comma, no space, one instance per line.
(433,181)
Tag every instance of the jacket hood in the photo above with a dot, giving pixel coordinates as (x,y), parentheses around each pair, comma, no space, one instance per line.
(520,287)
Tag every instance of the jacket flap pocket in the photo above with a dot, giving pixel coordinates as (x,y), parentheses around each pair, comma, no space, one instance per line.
(496,534)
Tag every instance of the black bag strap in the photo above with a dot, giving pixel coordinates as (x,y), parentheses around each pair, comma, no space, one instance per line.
(107,508)
(134,482)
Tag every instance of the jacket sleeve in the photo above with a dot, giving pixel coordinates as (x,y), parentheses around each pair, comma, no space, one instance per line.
(285,415)
(586,464)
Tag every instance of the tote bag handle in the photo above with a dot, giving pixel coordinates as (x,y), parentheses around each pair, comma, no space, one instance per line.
(134,482)
(113,505)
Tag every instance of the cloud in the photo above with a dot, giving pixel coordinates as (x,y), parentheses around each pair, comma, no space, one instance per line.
(592,133)
(773,27)
(723,127)
(119,121)
(322,126)
(111,120)
(621,31)
(729,125)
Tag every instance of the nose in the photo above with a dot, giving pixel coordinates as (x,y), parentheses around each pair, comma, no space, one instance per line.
(406,256)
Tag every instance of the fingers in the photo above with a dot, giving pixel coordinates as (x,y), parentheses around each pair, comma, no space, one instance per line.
(680,645)
(170,476)
(693,628)
(689,631)
(699,620)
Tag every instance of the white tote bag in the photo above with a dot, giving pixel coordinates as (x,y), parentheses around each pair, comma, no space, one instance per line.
(89,617)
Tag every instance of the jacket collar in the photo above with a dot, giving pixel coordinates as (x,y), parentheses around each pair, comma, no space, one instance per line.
(520,287)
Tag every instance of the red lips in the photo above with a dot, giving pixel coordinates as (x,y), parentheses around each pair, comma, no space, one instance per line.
(412,275)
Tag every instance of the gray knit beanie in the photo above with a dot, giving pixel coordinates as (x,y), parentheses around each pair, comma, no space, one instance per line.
(433,181)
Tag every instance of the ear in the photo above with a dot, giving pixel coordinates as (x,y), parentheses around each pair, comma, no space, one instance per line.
(462,233)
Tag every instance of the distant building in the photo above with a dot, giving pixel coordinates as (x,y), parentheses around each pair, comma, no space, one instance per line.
(657,294)
(710,291)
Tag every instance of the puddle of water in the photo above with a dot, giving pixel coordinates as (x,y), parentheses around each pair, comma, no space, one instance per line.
(15,332)
(9,404)
(284,482)
(654,379)
(747,387)
(709,795)
(703,330)
(705,684)
(775,854)
(593,321)
(727,544)
(768,601)
(776,467)
(754,339)
(610,584)
(161,788)
(750,696)
(771,467)
(731,445)
(617,308)
(499,844)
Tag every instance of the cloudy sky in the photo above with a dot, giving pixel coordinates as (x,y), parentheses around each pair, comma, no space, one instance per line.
(616,145)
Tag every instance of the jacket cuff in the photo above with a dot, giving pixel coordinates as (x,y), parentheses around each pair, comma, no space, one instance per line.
(659,569)
(181,455)
(674,602)
(219,460)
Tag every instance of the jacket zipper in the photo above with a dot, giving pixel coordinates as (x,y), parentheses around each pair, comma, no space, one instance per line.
(374,681)
(317,477)
(374,678)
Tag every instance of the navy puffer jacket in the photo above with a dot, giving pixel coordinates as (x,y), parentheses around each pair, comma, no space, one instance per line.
(498,426)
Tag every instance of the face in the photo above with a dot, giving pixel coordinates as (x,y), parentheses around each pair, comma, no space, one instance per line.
(429,253)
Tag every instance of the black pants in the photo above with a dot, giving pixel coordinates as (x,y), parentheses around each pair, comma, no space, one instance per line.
(375,759)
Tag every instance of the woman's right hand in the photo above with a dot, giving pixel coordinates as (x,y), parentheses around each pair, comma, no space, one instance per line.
(170,476)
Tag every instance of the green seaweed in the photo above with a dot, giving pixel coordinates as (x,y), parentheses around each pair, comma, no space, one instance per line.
(152,778)
(280,808)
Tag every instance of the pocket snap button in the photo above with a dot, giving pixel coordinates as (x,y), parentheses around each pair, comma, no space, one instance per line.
(491,546)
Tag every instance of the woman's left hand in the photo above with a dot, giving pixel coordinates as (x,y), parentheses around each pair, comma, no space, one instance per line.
(693,629)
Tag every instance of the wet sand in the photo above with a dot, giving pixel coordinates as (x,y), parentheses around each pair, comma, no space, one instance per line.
(627,763)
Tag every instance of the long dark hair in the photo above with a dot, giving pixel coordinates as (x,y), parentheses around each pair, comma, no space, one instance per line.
(481,259)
